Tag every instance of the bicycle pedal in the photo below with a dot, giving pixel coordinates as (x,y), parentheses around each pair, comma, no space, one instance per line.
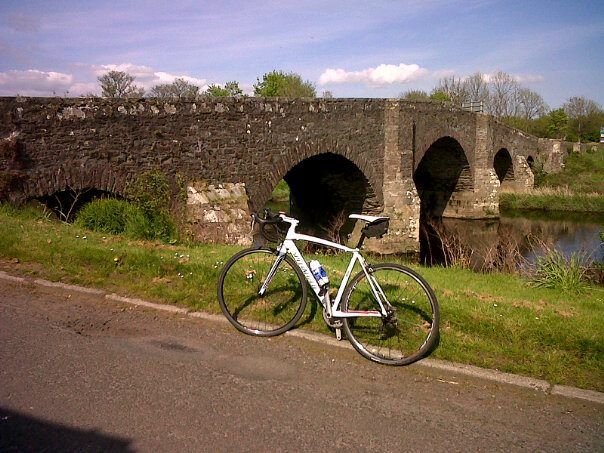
(339,334)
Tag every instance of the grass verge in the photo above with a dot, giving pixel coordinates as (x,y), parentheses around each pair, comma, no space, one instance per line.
(495,321)
(579,187)
(582,173)
(552,200)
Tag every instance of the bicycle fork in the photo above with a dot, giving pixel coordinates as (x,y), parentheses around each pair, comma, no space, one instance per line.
(271,274)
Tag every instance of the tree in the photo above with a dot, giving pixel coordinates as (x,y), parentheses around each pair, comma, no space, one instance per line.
(327,94)
(439,96)
(585,119)
(179,89)
(119,84)
(415,95)
(476,88)
(454,88)
(530,108)
(530,104)
(557,121)
(421,95)
(578,106)
(503,95)
(278,83)
(230,89)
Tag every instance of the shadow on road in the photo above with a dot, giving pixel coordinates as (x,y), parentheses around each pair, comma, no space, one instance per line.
(22,433)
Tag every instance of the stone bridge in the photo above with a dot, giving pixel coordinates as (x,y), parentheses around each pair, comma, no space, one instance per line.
(402,159)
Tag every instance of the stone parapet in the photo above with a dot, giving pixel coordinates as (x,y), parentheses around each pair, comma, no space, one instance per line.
(218,213)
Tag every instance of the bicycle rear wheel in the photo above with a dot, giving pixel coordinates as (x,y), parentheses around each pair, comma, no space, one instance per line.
(409,333)
(272,313)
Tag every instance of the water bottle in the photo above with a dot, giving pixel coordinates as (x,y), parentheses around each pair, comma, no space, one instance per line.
(319,273)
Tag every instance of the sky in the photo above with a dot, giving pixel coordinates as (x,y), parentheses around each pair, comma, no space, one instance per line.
(368,48)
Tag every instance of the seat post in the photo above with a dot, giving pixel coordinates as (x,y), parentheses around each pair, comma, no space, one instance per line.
(361,240)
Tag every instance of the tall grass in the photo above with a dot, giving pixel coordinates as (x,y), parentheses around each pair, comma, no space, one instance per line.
(122,217)
(552,199)
(105,215)
(553,270)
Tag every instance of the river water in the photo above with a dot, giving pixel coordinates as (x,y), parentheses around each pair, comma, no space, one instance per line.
(531,234)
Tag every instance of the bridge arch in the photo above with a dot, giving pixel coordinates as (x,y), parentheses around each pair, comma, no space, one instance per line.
(98,177)
(441,178)
(68,188)
(368,163)
(504,167)
(324,189)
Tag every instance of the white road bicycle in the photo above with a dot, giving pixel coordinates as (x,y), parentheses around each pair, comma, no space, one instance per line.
(387,311)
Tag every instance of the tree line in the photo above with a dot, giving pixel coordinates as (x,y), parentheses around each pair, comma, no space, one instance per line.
(503,96)
(120,84)
(499,94)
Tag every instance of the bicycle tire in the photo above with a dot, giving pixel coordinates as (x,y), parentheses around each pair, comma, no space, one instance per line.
(278,310)
(415,331)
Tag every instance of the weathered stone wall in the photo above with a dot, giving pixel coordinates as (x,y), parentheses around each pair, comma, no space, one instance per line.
(218,213)
(104,143)
(572,147)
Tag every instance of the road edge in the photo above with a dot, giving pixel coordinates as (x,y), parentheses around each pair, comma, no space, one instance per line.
(443,365)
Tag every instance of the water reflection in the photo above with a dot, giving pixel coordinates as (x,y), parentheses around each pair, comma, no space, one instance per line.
(487,243)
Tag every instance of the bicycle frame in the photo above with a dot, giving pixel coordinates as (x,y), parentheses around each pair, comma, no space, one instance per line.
(288,246)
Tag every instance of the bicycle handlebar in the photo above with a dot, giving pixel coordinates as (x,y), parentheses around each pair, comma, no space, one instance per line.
(270,218)
(272,226)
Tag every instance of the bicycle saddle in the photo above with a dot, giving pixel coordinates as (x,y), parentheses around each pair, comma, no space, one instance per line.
(367,218)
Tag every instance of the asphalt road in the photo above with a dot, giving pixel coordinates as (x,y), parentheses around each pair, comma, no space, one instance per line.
(82,373)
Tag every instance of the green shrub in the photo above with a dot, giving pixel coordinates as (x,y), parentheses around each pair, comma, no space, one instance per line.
(122,217)
(553,270)
(150,225)
(107,215)
(280,192)
(151,191)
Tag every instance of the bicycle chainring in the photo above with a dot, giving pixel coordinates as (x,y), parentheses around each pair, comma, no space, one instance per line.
(334,323)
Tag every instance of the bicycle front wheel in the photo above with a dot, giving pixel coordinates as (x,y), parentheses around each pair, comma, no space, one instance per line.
(411,330)
(277,309)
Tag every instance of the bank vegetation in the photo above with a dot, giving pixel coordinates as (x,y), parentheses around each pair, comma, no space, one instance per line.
(579,187)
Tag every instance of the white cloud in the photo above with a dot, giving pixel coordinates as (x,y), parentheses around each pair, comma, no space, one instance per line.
(147,76)
(520,78)
(247,88)
(137,71)
(529,78)
(384,74)
(34,83)
(84,88)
